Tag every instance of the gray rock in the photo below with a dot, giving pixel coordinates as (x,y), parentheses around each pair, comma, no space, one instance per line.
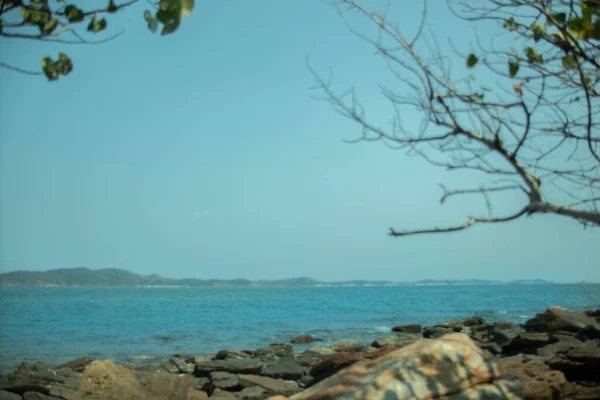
(219,394)
(4,395)
(198,383)
(225,380)
(349,345)
(493,348)
(276,349)
(399,341)
(285,368)
(182,366)
(252,393)
(560,319)
(38,396)
(235,366)
(312,356)
(434,332)
(527,343)
(271,385)
(77,365)
(227,354)
(168,366)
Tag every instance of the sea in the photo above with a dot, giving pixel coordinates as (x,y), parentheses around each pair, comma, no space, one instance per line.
(130,325)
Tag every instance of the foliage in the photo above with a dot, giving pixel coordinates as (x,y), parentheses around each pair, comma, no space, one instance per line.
(535,135)
(63,21)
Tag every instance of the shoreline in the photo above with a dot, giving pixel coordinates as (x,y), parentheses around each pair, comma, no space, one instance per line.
(304,360)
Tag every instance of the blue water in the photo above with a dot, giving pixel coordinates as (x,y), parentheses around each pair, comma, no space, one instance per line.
(57,324)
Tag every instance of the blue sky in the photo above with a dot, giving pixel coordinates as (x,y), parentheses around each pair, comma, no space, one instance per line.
(202,154)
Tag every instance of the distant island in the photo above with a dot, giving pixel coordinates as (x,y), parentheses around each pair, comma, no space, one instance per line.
(118,277)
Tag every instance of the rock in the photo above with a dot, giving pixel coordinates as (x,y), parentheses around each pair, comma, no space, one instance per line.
(305,339)
(527,343)
(312,356)
(349,345)
(181,365)
(225,381)
(579,361)
(397,341)
(539,383)
(106,381)
(199,359)
(434,332)
(227,354)
(502,324)
(198,383)
(452,367)
(219,394)
(560,319)
(4,395)
(413,328)
(40,378)
(252,393)
(235,366)
(77,365)
(459,325)
(285,368)
(276,349)
(492,347)
(583,391)
(38,396)
(271,385)
(168,366)
(504,336)
(195,394)
(332,364)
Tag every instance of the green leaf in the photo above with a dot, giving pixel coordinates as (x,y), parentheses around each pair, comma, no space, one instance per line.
(186,7)
(74,14)
(169,28)
(65,65)
(533,56)
(97,25)
(49,27)
(112,7)
(152,22)
(538,31)
(478,96)
(513,68)
(560,18)
(49,67)
(510,24)
(472,60)
(25,13)
(569,62)
(595,33)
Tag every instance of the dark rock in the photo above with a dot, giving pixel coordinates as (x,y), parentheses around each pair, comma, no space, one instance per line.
(182,366)
(225,381)
(235,366)
(459,325)
(252,393)
(285,368)
(492,347)
(305,339)
(583,391)
(312,356)
(527,343)
(271,385)
(434,332)
(274,351)
(38,396)
(559,319)
(228,354)
(331,365)
(578,361)
(198,383)
(413,328)
(77,365)
(397,341)
(504,336)
(40,378)
(4,395)
(503,324)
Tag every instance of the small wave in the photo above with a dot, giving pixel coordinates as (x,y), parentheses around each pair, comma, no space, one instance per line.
(382,328)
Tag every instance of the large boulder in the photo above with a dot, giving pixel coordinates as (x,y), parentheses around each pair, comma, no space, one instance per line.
(539,382)
(452,367)
(560,319)
(579,361)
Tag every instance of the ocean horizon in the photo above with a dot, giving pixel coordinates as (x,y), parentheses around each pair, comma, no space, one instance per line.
(131,324)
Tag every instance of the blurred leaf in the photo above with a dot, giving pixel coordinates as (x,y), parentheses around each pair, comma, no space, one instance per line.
(561,18)
(569,62)
(25,12)
(510,24)
(65,65)
(97,25)
(49,27)
(518,88)
(152,22)
(49,67)
(513,68)
(186,7)
(472,60)
(533,56)
(112,7)
(478,96)
(169,28)
(538,31)
(74,14)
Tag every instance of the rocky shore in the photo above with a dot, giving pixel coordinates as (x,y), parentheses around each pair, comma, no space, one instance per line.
(555,355)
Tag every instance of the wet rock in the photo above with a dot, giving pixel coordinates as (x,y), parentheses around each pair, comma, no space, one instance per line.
(4,395)
(181,365)
(284,368)
(305,339)
(347,346)
(225,381)
(560,319)
(77,365)
(228,354)
(413,328)
(527,343)
(397,341)
(235,366)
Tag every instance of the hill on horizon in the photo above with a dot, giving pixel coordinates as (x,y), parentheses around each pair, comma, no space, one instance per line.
(82,276)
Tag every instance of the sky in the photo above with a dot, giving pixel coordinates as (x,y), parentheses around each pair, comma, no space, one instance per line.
(202,154)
